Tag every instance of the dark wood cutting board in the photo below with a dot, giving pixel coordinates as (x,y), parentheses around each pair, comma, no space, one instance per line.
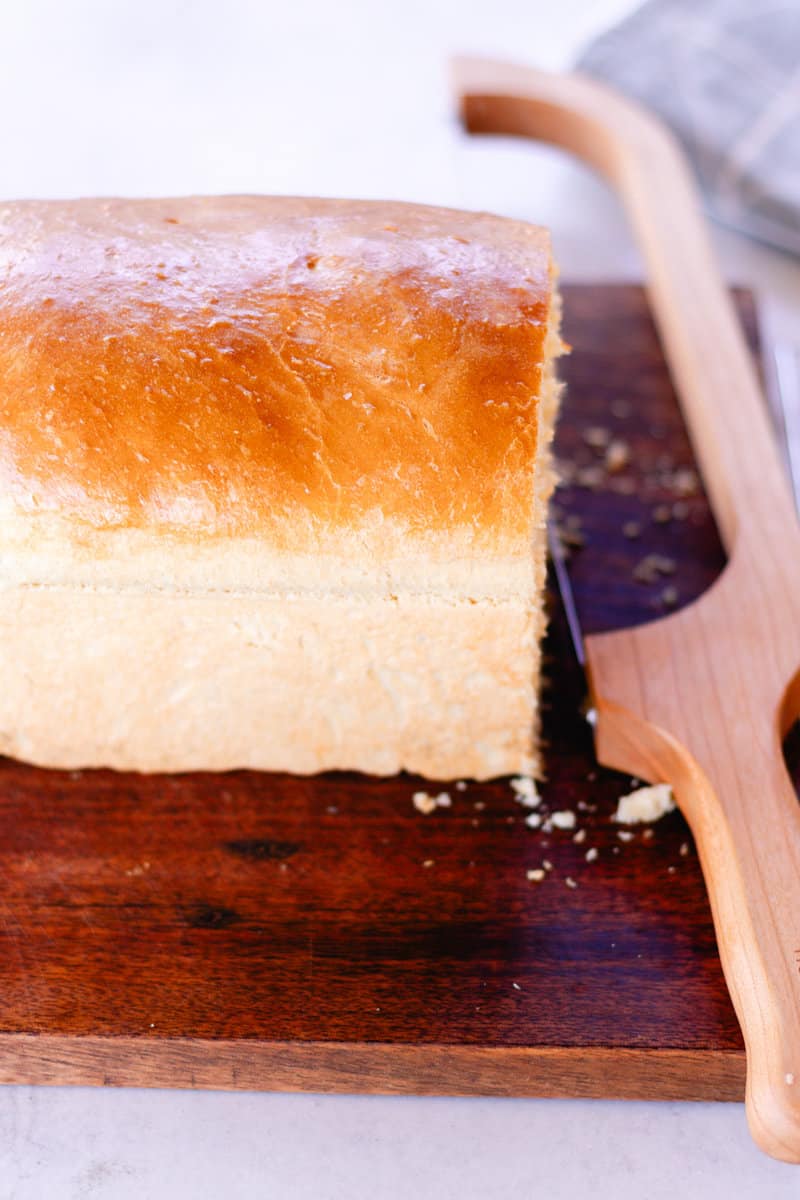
(273,932)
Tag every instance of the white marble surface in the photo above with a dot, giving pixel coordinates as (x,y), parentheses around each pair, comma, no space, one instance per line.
(141,96)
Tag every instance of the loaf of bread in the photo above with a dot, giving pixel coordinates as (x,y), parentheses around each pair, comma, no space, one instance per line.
(273,481)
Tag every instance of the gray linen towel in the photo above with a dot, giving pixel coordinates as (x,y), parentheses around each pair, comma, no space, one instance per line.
(725,75)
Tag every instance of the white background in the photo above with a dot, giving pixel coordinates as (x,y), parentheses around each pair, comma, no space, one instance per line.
(349,98)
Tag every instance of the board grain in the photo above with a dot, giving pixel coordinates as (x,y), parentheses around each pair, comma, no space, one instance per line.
(276,932)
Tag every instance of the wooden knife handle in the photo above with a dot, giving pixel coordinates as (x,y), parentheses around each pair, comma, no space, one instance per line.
(723,757)
(701,699)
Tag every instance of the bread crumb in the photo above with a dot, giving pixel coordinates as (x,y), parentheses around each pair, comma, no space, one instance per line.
(684,849)
(685,481)
(525,792)
(592,853)
(590,477)
(516,987)
(624,835)
(597,436)
(645,804)
(548,866)
(570,882)
(631,530)
(429,862)
(573,538)
(479,805)
(443,800)
(461,785)
(580,836)
(565,819)
(533,820)
(670,870)
(669,596)
(139,869)
(535,875)
(424,803)
(652,567)
(617,455)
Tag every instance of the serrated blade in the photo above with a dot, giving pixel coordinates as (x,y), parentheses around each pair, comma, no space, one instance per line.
(565,591)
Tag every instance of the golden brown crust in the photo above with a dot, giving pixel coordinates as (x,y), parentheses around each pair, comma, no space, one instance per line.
(270,367)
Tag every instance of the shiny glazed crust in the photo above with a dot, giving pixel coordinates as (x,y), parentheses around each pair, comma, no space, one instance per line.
(270,367)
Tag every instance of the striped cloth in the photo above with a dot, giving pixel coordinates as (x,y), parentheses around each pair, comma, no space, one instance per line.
(725,75)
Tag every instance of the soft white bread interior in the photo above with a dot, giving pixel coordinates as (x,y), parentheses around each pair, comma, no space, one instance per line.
(273,485)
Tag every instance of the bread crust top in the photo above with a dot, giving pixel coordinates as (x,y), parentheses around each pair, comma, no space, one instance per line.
(270,367)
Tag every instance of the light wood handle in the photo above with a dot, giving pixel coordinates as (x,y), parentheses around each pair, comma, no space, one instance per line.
(752,871)
(700,699)
(723,757)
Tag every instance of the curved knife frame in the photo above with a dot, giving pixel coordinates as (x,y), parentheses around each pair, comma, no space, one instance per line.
(703,698)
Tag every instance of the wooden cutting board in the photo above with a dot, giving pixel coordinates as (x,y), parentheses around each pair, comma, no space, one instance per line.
(274,932)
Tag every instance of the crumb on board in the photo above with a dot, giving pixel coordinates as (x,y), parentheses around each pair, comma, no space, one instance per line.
(650,568)
(535,874)
(579,837)
(684,849)
(685,481)
(516,987)
(461,785)
(570,882)
(525,791)
(669,596)
(139,869)
(618,456)
(625,835)
(597,436)
(548,866)
(645,804)
(631,530)
(574,539)
(429,862)
(424,803)
(533,820)
(592,853)
(591,477)
(564,819)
